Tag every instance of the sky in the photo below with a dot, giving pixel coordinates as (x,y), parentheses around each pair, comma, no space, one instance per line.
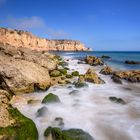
(104,25)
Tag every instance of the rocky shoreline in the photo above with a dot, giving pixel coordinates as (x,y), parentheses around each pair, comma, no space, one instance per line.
(25,71)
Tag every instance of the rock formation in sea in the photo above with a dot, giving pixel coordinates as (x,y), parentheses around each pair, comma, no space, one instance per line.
(19,38)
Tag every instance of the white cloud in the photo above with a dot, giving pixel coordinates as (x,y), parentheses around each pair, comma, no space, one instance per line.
(25,23)
(34,24)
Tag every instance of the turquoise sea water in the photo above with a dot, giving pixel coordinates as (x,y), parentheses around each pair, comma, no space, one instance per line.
(116,61)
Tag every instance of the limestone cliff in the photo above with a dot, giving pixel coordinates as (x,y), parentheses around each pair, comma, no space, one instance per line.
(19,38)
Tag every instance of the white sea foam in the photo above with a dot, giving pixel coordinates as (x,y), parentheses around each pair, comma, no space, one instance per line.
(89,109)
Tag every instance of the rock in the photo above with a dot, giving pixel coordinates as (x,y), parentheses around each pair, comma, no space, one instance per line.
(80,83)
(132,76)
(41,112)
(22,129)
(51,98)
(117,100)
(63,71)
(19,38)
(31,101)
(69,76)
(73,92)
(116,79)
(55,73)
(58,122)
(105,56)
(92,60)
(131,62)
(71,134)
(106,70)
(91,76)
(75,73)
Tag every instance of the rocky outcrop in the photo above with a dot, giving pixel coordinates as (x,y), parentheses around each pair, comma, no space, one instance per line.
(106,70)
(131,76)
(23,70)
(19,38)
(94,61)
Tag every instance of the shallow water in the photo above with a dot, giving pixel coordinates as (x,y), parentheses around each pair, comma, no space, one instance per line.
(89,109)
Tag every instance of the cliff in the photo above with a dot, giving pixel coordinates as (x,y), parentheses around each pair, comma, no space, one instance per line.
(19,38)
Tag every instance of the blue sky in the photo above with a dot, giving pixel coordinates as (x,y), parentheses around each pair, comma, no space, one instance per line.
(101,24)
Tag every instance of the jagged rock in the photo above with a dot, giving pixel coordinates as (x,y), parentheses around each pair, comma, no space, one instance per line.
(51,98)
(80,83)
(117,100)
(131,62)
(92,60)
(19,38)
(71,134)
(116,79)
(132,76)
(91,76)
(106,70)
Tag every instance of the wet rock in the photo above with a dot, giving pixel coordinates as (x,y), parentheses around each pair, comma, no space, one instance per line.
(63,71)
(55,73)
(41,112)
(92,60)
(91,76)
(116,79)
(131,62)
(71,134)
(58,122)
(80,83)
(105,56)
(75,73)
(51,98)
(132,76)
(73,92)
(106,70)
(31,101)
(117,100)
(69,76)
(63,63)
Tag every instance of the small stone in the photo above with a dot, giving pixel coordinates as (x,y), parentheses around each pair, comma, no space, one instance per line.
(75,73)
(42,111)
(117,100)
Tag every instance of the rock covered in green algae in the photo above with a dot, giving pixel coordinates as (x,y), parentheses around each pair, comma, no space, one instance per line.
(80,83)
(69,76)
(117,100)
(75,73)
(22,129)
(63,71)
(55,73)
(42,111)
(51,98)
(71,134)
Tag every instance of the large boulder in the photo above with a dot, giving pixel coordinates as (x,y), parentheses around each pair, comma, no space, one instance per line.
(91,76)
(106,70)
(92,60)
(71,134)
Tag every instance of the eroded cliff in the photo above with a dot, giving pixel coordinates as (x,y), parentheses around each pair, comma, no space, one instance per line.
(19,38)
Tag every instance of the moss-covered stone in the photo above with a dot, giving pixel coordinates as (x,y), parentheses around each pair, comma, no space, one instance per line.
(75,73)
(69,76)
(80,83)
(63,71)
(63,63)
(55,73)
(117,100)
(23,128)
(51,98)
(71,134)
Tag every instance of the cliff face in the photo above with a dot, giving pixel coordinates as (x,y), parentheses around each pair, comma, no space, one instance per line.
(19,38)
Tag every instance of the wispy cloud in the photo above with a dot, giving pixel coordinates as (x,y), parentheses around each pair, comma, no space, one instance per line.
(34,23)
(2,2)
(25,23)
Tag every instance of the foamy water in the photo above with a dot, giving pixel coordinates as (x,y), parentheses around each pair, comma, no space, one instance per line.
(89,109)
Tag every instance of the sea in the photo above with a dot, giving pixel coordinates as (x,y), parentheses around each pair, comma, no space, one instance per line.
(89,108)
